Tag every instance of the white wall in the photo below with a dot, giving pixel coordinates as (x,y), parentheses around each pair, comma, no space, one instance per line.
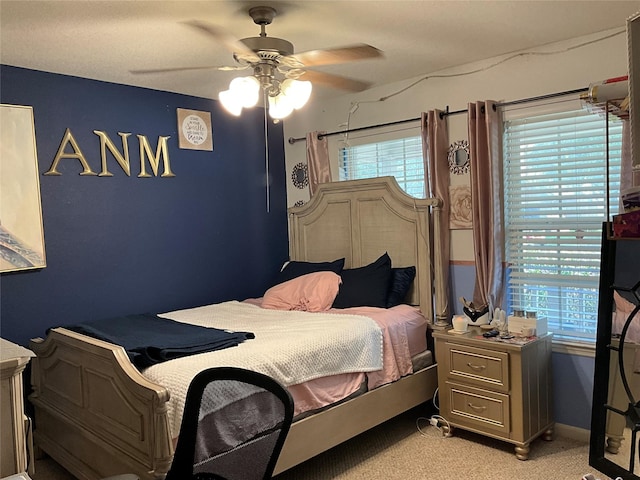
(521,77)
(517,78)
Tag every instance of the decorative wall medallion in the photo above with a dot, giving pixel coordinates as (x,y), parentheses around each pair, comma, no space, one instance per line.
(194,130)
(459,157)
(300,175)
(460,216)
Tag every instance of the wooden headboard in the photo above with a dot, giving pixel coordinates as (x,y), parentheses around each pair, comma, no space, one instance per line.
(360,220)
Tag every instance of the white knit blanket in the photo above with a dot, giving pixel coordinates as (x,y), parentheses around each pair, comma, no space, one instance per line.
(290,346)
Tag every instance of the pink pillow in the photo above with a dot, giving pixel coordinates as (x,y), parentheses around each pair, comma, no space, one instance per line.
(314,292)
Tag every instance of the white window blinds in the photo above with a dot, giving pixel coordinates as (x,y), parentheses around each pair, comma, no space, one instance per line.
(555,203)
(401,158)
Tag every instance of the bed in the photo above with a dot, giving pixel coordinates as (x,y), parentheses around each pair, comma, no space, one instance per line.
(97,414)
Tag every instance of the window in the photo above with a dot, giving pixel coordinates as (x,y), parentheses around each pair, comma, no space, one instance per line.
(555,202)
(399,158)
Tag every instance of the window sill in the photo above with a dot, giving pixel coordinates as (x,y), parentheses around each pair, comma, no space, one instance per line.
(574,348)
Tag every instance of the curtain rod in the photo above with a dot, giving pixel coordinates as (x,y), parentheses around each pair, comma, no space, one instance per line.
(446,113)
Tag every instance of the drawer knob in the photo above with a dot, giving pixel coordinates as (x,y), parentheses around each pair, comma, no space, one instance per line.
(477,408)
(477,368)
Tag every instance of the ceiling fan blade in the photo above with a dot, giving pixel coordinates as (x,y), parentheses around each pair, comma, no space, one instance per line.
(335,81)
(332,56)
(185,69)
(229,41)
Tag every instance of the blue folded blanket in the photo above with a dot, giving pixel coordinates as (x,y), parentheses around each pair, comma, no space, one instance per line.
(149,339)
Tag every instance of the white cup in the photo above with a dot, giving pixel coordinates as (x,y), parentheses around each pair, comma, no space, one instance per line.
(460,323)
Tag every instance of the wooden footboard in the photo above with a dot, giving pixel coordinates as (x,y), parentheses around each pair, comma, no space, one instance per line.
(94,412)
(96,415)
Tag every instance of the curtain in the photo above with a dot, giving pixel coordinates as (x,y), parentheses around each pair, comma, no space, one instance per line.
(317,160)
(435,145)
(485,148)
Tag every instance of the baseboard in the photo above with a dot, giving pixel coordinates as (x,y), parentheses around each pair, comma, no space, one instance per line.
(575,433)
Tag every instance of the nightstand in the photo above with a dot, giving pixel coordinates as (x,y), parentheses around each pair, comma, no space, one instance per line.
(497,388)
(13,434)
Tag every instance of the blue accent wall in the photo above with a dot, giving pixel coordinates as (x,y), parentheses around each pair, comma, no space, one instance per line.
(573,389)
(122,244)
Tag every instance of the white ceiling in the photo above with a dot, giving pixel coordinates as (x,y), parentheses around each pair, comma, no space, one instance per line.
(106,39)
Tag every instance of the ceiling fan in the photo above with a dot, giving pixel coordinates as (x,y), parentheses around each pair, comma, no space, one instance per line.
(282,75)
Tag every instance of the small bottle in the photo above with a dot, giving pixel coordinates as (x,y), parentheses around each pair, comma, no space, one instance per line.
(531,314)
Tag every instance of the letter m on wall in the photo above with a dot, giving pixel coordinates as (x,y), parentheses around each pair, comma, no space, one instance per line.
(154,160)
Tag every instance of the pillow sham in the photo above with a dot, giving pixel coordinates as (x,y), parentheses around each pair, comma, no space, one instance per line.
(399,285)
(365,286)
(295,269)
(313,292)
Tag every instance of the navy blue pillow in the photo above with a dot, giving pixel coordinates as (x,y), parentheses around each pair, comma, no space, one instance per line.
(400,284)
(295,269)
(365,286)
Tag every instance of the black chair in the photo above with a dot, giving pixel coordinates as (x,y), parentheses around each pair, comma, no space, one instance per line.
(234,425)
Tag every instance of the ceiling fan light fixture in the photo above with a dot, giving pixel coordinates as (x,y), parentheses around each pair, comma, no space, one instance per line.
(247,90)
(230,102)
(244,92)
(297,91)
(280,106)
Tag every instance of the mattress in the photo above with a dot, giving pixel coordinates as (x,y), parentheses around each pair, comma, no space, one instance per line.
(404,343)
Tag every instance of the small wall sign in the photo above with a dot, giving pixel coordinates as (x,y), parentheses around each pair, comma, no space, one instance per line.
(194,130)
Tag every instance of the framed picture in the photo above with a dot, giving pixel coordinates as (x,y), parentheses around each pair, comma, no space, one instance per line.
(21,230)
(460,215)
(194,130)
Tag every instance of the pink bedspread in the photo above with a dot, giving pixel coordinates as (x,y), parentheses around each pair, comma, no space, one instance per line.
(404,335)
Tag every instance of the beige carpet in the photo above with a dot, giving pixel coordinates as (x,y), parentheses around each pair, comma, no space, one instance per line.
(397,450)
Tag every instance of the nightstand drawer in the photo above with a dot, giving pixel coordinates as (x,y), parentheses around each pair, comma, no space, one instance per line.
(477,408)
(478,366)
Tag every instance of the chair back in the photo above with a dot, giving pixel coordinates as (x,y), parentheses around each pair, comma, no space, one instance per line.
(234,425)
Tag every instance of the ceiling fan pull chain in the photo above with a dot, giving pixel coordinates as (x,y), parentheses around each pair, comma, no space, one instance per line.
(266,147)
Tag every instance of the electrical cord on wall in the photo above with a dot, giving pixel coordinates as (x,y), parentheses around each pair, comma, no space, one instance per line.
(499,62)
(354,105)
